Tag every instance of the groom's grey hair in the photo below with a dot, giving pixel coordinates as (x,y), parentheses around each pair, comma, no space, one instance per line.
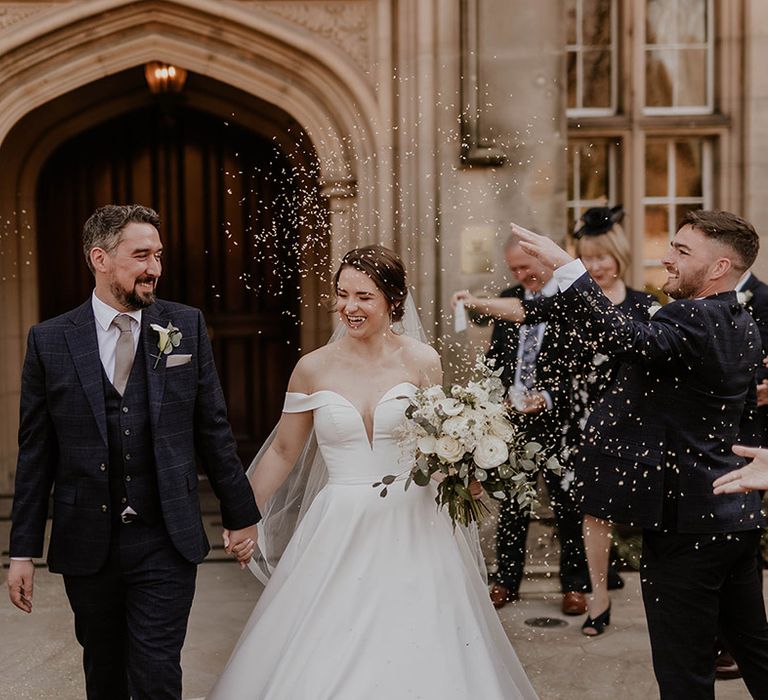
(105,226)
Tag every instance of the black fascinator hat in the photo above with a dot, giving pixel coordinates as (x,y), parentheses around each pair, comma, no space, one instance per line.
(599,220)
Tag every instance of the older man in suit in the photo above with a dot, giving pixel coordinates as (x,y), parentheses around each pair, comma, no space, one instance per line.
(535,361)
(117,397)
(662,435)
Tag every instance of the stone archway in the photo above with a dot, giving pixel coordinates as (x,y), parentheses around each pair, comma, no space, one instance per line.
(253,52)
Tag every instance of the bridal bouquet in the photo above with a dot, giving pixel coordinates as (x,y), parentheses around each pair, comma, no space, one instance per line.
(464,435)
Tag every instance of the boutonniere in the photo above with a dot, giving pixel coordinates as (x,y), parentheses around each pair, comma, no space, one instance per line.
(743,297)
(653,308)
(169,338)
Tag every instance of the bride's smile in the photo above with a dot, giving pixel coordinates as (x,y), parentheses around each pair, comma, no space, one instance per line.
(360,304)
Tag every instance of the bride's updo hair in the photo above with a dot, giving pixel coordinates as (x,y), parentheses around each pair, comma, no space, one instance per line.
(386,270)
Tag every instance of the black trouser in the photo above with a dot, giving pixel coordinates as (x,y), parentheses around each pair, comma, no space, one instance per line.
(131,616)
(693,586)
(513,531)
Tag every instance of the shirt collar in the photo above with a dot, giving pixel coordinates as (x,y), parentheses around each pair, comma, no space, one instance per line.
(548,290)
(740,284)
(105,314)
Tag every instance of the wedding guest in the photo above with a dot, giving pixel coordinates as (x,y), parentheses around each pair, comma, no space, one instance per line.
(603,247)
(661,436)
(535,370)
(112,417)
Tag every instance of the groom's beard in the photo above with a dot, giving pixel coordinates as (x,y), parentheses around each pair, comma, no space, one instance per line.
(132,299)
(685,288)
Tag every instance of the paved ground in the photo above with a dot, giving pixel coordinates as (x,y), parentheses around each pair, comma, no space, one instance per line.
(40,659)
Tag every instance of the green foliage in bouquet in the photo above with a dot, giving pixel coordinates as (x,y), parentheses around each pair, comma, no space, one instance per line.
(462,437)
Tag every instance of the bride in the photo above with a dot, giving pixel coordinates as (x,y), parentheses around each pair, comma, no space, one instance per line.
(372,597)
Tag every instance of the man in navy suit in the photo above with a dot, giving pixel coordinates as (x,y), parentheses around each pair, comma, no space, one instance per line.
(118,396)
(662,434)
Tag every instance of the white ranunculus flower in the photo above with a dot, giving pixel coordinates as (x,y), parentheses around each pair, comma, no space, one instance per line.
(449,449)
(434,393)
(456,426)
(502,428)
(477,392)
(427,444)
(450,407)
(491,451)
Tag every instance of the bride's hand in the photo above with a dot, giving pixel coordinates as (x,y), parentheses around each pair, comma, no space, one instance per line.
(242,551)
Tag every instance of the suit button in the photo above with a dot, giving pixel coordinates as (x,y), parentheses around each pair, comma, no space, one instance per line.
(103,509)
(125,409)
(123,500)
(128,457)
(128,478)
(103,467)
(126,431)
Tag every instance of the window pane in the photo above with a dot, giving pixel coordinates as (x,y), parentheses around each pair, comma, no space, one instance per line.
(656,169)
(573,58)
(657,233)
(659,21)
(692,77)
(597,22)
(688,169)
(659,75)
(691,21)
(597,79)
(594,176)
(570,22)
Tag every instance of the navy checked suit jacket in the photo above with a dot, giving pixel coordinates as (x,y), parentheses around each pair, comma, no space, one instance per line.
(63,440)
(663,432)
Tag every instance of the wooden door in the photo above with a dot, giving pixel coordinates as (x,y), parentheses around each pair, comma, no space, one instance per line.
(226,197)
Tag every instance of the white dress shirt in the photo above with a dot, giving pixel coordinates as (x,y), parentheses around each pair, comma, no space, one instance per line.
(107,335)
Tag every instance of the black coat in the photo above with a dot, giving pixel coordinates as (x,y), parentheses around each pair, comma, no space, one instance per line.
(757,305)
(554,366)
(63,440)
(662,434)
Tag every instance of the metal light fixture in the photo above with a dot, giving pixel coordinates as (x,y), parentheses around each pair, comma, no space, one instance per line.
(162,77)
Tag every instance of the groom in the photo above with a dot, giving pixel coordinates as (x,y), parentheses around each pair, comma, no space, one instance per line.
(118,397)
(662,435)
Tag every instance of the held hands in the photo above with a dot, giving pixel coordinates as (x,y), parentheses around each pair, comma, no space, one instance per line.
(21,576)
(751,477)
(241,544)
(541,247)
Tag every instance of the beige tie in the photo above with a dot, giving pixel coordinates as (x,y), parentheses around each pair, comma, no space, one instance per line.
(123,353)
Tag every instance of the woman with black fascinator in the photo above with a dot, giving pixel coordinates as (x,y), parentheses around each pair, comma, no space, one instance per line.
(603,246)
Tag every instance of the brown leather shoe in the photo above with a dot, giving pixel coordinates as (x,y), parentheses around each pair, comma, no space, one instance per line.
(574,603)
(500,596)
(726,667)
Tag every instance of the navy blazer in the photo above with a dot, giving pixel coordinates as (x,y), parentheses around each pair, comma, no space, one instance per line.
(63,440)
(757,305)
(663,432)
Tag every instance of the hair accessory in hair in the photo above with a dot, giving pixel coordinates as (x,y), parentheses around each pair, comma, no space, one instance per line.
(599,220)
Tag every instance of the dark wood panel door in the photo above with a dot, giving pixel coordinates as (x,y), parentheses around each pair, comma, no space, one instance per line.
(226,197)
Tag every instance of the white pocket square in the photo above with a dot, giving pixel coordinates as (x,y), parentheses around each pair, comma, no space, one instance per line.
(177,360)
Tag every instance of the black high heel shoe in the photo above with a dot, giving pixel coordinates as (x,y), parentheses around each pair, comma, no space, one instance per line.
(598,624)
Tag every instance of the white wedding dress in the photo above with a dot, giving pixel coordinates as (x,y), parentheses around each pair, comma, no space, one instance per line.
(374,598)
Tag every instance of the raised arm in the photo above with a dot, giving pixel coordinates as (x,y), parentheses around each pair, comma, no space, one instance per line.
(506,308)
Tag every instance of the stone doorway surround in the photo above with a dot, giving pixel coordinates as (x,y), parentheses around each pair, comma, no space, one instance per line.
(315,61)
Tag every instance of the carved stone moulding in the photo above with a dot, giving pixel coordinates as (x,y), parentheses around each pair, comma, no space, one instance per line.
(347,24)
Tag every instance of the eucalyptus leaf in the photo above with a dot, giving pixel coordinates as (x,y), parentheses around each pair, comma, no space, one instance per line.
(388,479)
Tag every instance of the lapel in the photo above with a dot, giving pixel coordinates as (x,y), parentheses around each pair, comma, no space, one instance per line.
(84,349)
(148,343)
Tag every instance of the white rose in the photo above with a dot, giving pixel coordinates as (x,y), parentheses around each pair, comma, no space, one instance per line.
(427,444)
(450,407)
(490,452)
(449,449)
(434,393)
(502,428)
